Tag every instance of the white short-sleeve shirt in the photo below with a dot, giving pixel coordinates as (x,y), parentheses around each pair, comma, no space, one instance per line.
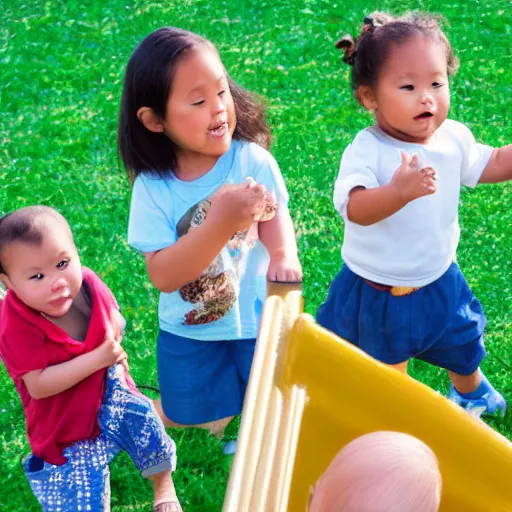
(231,290)
(416,245)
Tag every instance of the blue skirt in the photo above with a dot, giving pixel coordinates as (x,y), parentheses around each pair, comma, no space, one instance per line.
(202,381)
(441,323)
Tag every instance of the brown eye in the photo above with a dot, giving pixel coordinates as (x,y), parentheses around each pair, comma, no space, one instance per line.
(62,264)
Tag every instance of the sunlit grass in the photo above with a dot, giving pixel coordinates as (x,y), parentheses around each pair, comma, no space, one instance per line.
(61,68)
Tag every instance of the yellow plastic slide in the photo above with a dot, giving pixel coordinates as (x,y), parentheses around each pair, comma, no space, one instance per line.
(310,393)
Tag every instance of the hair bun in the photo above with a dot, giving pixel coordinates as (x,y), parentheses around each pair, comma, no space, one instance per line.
(348,46)
(376,19)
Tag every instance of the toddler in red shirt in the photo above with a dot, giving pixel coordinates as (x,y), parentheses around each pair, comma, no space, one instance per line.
(60,340)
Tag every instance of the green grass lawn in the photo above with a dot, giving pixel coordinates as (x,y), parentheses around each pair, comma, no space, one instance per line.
(61,68)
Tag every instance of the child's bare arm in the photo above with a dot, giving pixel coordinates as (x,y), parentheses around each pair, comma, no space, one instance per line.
(233,209)
(58,378)
(278,236)
(174,266)
(499,167)
(369,206)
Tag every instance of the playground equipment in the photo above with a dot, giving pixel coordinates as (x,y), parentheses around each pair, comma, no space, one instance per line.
(310,393)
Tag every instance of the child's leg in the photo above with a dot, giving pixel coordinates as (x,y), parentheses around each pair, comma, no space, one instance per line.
(215,427)
(164,492)
(476,394)
(244,352)
(460,347)
(130,420)
(465,383)
(199,381)
(243,355)
(83,483)
(469,386)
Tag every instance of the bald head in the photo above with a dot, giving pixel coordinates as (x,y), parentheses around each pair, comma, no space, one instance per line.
(29,225)
(380,472)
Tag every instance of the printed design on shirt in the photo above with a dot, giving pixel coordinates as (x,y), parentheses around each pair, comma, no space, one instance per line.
(215,291)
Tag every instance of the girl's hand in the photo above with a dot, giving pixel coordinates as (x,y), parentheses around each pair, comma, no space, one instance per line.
(110,352)
(238,205)
(284,269)
(266,209)
(409,182)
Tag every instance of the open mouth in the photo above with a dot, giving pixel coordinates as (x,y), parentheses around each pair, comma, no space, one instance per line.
(219,129)
(424,115)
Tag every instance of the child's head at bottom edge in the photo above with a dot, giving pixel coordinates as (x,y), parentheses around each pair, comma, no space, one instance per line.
(380,472)
(39,261)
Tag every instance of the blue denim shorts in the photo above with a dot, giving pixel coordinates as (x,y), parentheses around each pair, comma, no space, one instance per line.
(441,323)
(202,381)
(128,421)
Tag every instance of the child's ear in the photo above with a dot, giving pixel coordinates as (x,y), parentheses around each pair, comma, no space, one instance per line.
(366,98)
(150,120)
(5,280)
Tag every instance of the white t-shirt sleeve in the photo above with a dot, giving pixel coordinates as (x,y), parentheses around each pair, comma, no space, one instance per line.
(149,226)
(475,156)
(357,169)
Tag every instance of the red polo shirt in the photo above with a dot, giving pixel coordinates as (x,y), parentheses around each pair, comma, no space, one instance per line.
(28,342)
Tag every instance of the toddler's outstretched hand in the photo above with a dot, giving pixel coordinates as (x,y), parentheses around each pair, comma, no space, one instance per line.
(238,205)
(411,182)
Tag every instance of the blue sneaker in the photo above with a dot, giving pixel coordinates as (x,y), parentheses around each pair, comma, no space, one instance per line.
(490,403)
(229,447)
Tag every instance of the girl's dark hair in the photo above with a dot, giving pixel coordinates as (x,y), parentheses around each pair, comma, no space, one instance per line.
(367,54)
(147,83)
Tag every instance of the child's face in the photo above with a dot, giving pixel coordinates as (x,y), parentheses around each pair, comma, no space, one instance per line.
(200,116)
(412,94)
(45,277)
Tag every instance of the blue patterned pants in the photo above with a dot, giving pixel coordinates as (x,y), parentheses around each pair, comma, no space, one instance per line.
(128,422)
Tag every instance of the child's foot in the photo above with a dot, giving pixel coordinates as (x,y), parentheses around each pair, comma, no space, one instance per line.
(490,403)
(229,447)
